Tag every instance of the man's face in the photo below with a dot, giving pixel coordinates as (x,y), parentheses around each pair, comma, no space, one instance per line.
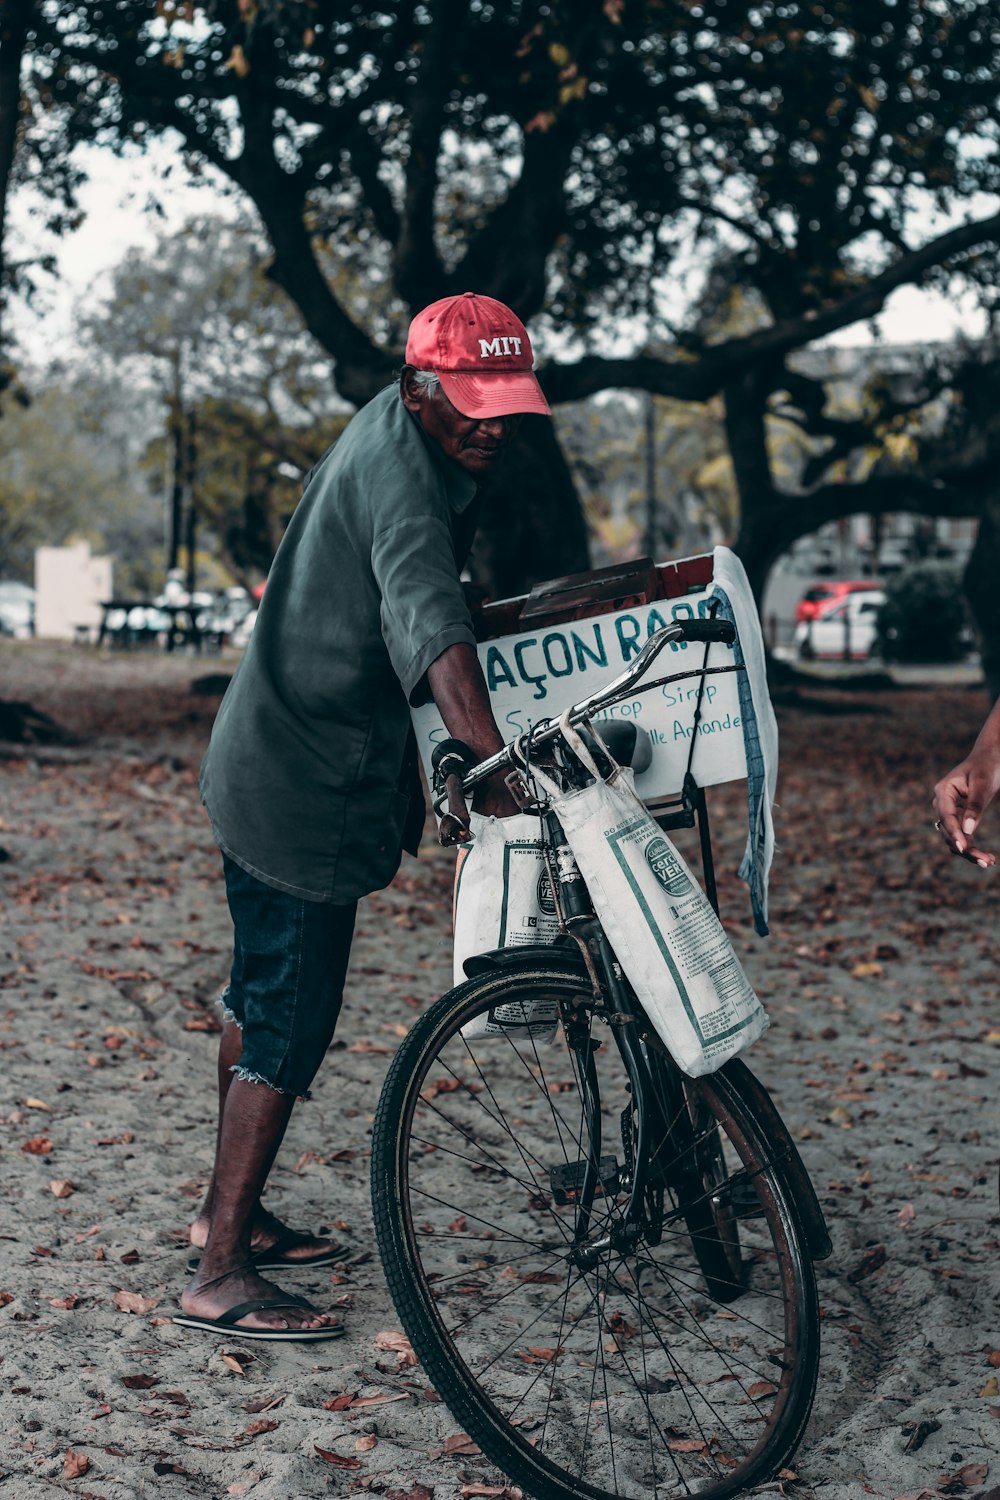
(475,443)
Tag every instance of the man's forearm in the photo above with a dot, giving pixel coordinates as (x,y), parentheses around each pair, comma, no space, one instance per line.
(463,700)
(460,692)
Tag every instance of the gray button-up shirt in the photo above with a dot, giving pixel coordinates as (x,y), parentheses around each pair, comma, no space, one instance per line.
(304,778)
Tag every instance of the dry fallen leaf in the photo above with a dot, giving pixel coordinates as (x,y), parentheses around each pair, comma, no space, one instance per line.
(458,1442)
(39,1145)
(761,1388)
(139,1382)
(232,1364)
(133,1302)
(365,1443)
(381,1399)
(494,1491)
(254,1429)
(75,1465)
(61,1187)
(38,1104)
(398,1343)
(338,1403)
(330,1457)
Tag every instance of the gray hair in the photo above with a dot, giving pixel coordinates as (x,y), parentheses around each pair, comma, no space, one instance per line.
(426,380)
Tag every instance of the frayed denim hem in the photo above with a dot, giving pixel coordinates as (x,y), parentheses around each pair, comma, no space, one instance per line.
(227,1014)
(248,1076)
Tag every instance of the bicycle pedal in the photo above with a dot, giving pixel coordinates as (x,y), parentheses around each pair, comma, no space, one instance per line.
(567,1180)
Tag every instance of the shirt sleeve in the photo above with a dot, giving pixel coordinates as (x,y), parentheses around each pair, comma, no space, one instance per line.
(423,609)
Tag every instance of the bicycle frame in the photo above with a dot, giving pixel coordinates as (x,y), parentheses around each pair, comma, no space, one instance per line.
(616,1005)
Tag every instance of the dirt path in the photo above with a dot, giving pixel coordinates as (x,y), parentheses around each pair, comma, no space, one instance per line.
(883,1056)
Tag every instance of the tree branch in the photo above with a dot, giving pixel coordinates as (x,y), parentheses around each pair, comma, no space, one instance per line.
(697,380)
(508,255)
(365,159)
(418,272)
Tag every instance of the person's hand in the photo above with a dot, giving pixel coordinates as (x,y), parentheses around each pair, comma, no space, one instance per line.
(960,799)
(493,798)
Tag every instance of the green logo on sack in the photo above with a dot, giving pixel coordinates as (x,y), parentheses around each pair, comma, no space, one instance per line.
(666,867)
(546,900)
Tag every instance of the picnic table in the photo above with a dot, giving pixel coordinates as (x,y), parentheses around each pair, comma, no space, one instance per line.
(136,622)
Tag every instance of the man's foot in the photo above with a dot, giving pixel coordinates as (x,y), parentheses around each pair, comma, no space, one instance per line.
(210,1302)
(273,1245)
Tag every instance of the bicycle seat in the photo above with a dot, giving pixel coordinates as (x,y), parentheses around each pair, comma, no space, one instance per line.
(627,743)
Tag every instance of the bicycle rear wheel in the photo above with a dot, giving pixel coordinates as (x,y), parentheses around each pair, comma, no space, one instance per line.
(604,1374)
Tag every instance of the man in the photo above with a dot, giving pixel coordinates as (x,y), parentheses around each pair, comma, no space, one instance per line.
(963,795)
(310,778)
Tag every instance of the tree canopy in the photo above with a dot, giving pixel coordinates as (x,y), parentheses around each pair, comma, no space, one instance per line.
(585,161)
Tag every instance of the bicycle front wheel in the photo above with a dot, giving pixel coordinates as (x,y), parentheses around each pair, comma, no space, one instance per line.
(585,1361)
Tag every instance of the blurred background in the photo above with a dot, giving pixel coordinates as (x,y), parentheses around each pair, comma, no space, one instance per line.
(756,245)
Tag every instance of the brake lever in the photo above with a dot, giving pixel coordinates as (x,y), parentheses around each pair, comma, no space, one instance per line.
(454,826)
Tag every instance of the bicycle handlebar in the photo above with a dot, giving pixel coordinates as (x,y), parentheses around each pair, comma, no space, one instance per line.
(547,729)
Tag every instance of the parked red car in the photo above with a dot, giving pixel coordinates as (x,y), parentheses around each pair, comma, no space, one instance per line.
(819,596)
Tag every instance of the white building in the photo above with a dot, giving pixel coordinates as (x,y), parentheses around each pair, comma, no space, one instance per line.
(70,585)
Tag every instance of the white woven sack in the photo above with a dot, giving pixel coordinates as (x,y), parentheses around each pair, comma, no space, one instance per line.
(668,939)
(503,899)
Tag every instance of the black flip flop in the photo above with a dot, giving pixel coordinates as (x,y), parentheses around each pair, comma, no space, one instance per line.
(227,1322)
(270,1259)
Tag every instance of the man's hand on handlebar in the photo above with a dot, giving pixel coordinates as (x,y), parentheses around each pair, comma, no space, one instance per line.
(492,800)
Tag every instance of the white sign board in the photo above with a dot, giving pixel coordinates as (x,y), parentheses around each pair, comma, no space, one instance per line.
(539,674)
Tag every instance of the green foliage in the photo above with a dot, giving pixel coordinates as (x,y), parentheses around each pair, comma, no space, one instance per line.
(61,479)
(223,353)
(574,150)
(587,163)
(924,617)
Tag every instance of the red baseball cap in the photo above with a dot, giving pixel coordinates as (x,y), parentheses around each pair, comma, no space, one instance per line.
(480,352)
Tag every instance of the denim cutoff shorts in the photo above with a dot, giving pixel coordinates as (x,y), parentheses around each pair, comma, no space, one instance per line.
(287,981)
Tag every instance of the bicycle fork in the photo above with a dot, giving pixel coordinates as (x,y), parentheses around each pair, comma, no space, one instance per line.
(612,1001)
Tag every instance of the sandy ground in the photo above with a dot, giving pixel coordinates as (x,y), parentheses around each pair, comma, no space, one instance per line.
(883,1055)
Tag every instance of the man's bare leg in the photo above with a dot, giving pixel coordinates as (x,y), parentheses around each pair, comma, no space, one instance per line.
(254,1120)
(266,1230)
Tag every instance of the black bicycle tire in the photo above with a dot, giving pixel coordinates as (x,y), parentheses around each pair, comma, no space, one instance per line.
(712,1254)
(715,1258)
(471,1408)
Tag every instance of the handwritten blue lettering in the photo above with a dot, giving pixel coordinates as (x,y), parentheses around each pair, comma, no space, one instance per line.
(537,678)
(628,631)
(555,639)
(498,670)
(599,657)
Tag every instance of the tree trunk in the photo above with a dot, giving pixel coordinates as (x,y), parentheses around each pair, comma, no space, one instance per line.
(14,18)
(532,525)
(191,528)
(981,574)
(175,406)
(760,540)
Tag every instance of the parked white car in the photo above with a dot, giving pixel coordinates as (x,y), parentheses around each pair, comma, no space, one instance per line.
(847,630)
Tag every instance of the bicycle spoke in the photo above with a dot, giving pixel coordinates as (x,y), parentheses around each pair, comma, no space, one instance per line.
(624,1345)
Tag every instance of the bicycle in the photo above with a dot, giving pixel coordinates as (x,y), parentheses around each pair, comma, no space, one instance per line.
(605,1267)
